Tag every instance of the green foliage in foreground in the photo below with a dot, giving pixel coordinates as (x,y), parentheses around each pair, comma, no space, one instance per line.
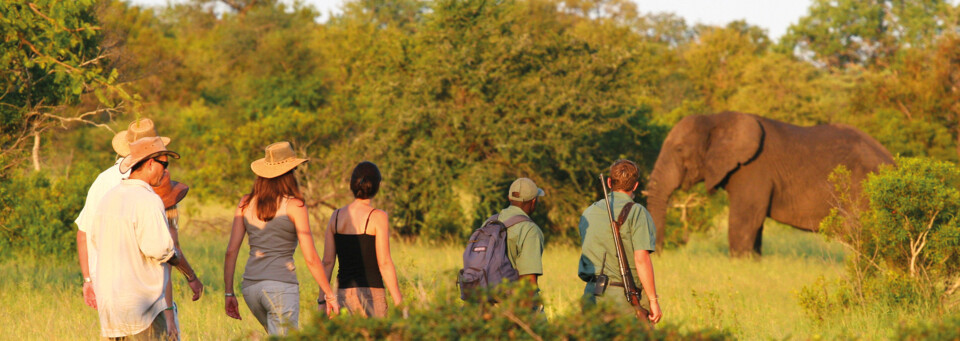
(512,319)
(945,328)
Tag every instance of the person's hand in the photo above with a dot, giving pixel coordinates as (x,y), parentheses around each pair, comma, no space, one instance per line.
(332,307)
(655,313)
(89,297)
(197,287)
(232,307)
(172,332)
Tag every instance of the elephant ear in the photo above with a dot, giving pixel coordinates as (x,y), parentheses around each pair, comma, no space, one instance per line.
(735,139)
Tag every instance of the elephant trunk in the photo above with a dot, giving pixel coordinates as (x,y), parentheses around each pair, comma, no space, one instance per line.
(663,181)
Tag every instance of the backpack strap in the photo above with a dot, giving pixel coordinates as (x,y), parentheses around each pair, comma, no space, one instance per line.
(624,212)
(516,220)
(493,218)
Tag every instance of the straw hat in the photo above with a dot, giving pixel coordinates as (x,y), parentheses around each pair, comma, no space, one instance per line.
(143,149)
(280,159)
(145,128)
(171,192)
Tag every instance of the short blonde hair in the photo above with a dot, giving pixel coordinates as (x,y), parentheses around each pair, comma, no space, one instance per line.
(623,175)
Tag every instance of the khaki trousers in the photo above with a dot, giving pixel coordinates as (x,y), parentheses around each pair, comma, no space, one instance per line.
(613,298)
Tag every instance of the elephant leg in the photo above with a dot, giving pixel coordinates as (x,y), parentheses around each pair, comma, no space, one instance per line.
(758,242)
(747,212)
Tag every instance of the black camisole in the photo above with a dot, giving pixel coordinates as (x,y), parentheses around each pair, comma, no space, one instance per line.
(358,258)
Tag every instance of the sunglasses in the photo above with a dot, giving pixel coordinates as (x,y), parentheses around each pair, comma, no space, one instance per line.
(162,163)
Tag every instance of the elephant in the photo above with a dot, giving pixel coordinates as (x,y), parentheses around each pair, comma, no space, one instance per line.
(767,167)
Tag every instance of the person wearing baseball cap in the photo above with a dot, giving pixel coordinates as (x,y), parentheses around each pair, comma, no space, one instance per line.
(107,180)
(524,239)
(132,241)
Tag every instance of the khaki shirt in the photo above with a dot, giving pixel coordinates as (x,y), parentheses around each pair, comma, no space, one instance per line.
(132,240)
(524,243)
(598,249)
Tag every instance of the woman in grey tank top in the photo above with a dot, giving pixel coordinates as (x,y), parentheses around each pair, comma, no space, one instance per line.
(274,216)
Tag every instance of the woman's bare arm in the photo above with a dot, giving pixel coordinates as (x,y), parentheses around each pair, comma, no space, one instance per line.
(387,270)
(237,232)
(329,247)
(297,211)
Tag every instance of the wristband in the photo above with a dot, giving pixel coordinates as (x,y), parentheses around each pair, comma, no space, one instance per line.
(87,280)
(319,301)
(229,294)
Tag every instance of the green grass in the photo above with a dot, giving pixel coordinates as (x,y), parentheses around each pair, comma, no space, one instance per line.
(699,286)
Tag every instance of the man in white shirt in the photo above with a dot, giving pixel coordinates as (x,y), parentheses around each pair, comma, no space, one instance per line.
(106,181)
(132,242)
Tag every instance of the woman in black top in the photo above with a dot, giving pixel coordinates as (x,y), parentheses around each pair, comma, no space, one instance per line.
(359,235)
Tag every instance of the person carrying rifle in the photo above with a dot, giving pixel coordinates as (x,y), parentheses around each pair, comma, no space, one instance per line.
(599,263)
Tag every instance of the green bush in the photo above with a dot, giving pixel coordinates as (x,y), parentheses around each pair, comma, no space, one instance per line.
(37,210)
(904,236)
(692,212)
(945,328)
(448,318)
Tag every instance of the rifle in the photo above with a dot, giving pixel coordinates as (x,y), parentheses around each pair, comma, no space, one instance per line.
(629,287)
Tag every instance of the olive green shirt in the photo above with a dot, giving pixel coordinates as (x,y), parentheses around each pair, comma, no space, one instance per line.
(524,243)
(596,238)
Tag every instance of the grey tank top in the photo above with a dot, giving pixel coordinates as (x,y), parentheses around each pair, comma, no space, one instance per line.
(272,245)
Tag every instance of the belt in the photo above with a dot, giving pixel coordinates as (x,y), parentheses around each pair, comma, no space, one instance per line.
(613,284)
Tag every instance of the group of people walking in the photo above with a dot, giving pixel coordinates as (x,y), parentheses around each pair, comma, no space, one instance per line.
(128,242)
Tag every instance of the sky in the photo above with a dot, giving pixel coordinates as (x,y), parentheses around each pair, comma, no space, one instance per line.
(773,15)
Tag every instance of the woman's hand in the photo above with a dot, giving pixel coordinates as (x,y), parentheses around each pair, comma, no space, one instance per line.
(232,307)
(332,307)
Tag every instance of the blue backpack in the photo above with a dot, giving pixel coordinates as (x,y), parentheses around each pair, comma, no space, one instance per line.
(485,261)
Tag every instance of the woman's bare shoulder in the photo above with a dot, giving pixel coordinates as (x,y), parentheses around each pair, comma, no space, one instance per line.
(291,201)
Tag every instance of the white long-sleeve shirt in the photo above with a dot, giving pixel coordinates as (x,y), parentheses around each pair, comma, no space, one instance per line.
(106,181)
(131,239)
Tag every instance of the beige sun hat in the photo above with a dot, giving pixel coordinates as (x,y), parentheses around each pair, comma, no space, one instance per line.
(280,158)
(136,130)
(143,149)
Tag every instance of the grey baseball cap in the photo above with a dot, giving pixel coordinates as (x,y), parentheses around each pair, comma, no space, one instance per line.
(524,189)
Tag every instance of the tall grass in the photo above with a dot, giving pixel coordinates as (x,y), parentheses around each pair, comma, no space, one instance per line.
(699,287)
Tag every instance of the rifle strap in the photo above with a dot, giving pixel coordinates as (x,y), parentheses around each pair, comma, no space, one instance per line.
(624,213)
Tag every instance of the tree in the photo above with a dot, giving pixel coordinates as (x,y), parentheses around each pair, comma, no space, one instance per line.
(50,59)
(837,33)
(716,61)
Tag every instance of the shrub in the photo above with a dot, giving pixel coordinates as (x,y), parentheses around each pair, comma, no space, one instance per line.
(37,210)
(513,318)
(903,232)
(946,328)
(692,212)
